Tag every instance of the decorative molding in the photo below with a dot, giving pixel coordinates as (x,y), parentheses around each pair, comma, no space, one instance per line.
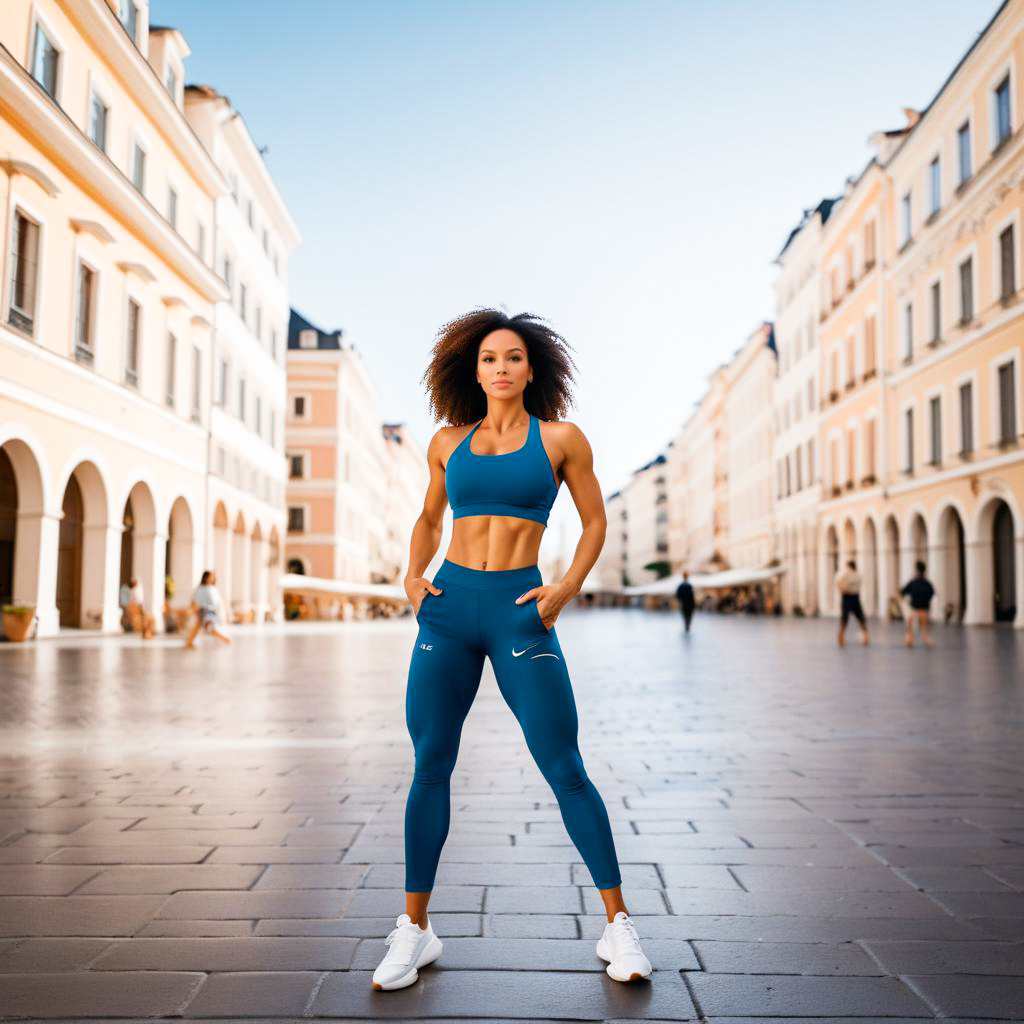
(13,166)
(92,227)
(138,269)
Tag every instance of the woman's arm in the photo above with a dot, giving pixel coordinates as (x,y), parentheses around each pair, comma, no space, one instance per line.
(426,531)
(578,474)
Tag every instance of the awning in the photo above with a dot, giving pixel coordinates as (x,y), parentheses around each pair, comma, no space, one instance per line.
(296,583)
(708,580)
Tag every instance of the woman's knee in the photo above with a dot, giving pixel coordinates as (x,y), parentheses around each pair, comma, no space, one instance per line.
(564,772)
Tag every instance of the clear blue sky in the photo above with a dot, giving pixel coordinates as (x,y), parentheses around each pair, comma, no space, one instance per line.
(628,170)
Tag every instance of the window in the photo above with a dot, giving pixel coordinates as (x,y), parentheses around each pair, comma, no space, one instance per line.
(908,332)
(789,477)
(172,362)
(936,304)
(834,375)
(810,395)
(139,167)
(172,207)
(905,221)
(248,212)
(1001,99)
(908,441)
(172,83)
(851,352)
(98,111)
(259,324)
(966,291)
(869,347)
(798,462)
(851,455)
(273,344)
(273,429)
(811,475)
(869,245)
(197,381)
(84,313)
(869,450)
(266,241)
(129,16)
(966,418)
(1007,404)
(296,519)
(241,398)
(935,415)
(963,148)
(228,273)
(241,299)
(934,187)
(1007,265)
(131,351)
(295,467)
(45,60)
(233,182)
(201,239)
(24,272)
(258,414)
(222,384)
(299,405)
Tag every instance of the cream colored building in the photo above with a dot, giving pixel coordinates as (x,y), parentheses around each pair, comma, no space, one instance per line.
(106,312)
(750,377)
(610,568)
(255,236)
(645,502)
(796,397)
(352,500)
(926,462)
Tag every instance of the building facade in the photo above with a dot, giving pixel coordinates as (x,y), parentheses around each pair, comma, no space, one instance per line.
(255,236)
(941,477)
(106,313)
(355,486)
(796,394)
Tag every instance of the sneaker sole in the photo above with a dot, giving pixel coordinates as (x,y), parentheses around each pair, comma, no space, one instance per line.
(602,952)
(431,951)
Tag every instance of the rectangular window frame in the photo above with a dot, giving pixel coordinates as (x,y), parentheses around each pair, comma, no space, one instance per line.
(85,350)
(21,318)
(132,375)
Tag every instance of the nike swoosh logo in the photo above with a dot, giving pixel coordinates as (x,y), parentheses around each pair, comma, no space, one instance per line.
(515,653)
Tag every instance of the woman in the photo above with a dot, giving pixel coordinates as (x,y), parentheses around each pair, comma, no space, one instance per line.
(504,383)
(208,606)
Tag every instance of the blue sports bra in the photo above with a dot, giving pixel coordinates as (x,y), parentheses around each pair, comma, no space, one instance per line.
(518,483)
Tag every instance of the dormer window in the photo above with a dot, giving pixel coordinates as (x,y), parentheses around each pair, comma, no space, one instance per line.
(171,82)
(128,13)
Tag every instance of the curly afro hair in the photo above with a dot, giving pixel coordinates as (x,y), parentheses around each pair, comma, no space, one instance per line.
(453,392)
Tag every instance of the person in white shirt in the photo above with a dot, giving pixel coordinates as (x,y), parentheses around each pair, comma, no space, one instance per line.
(848,585)
(134,605)
(209,608)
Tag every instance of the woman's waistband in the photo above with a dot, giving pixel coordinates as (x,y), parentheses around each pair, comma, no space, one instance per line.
(487,579)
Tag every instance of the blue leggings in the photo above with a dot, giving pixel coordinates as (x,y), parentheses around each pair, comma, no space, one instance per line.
(476,615)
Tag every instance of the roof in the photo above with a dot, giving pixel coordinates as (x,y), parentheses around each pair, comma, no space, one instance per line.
(953,73)
(297,323)
(824,208)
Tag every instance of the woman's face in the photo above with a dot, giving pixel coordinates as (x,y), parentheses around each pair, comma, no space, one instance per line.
(501,364)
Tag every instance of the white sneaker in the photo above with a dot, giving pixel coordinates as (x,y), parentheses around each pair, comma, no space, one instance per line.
(409,947)
(620,946)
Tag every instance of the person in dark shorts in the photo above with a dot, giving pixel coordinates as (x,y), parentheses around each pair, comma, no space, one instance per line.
(848,585)
(684,592)
(919,592)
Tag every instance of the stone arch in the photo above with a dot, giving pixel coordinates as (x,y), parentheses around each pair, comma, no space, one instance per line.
(87,550)
(997,569)
(868,565)
(949,558)
(26,573)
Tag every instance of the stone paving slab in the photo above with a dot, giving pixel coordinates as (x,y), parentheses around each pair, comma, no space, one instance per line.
(796,843)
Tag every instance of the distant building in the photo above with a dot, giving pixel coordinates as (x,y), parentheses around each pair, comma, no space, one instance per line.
(355,486)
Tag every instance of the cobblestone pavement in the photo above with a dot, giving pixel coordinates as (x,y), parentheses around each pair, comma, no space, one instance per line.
(804,832)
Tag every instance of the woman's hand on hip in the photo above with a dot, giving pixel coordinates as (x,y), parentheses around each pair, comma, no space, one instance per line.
(416,589)
(555,598)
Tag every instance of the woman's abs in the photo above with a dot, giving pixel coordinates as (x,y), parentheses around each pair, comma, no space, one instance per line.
(495,542)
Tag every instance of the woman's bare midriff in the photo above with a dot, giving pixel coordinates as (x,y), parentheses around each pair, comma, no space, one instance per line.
(495,542)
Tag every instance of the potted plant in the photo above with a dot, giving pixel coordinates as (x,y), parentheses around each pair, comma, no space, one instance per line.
(18,620)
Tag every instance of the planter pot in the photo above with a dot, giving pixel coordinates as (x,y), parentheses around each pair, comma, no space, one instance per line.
(18,624)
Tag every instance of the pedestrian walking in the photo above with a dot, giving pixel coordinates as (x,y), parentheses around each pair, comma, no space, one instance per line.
(133,603)
(919,592)
(209,609)
(848,584)
(502,383)
(684,594)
